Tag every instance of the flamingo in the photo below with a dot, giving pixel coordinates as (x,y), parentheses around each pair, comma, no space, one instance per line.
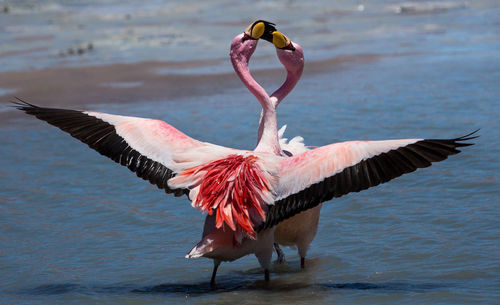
(245,193)
(300,229)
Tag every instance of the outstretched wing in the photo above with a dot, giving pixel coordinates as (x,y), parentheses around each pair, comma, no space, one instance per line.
(153,149)
(334,170)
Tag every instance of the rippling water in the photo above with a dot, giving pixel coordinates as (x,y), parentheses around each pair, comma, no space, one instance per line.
(77,228)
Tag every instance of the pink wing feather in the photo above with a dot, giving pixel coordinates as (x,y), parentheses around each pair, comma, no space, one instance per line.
(334,170)
(153,149)
(299,172)
(163,143)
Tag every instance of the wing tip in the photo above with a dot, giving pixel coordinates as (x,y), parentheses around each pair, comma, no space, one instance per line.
(22,105)
(469,136)
(460,141)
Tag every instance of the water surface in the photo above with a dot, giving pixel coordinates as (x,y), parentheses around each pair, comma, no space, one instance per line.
(76,228)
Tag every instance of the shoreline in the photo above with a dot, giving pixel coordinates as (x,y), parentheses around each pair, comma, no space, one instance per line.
(77,87)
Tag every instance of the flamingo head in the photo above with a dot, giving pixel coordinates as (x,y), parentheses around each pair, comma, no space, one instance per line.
(260,29)
(242,48)
(289,53)
(243,45)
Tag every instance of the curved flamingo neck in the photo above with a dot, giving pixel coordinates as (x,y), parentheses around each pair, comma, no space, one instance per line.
(290,82)
(240,54)
(278,95)
(293,61)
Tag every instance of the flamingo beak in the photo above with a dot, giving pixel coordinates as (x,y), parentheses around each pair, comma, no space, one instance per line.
(280,41)
(260,29)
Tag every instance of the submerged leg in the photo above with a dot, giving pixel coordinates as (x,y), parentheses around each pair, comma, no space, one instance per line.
(216,265)
(266,275)
(302,262)
(280,253)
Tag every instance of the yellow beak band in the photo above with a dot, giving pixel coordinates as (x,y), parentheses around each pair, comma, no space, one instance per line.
(256,30)
(280,40)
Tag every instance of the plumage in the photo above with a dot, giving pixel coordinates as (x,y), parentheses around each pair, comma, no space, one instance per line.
(102,137)
(356,162)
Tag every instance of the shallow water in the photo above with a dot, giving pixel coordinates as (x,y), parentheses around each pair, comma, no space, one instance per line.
(76,228)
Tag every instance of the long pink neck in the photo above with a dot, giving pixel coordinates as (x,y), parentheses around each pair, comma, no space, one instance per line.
(293,61)
(240,55)
(278,96)
(291,80)
(294,64)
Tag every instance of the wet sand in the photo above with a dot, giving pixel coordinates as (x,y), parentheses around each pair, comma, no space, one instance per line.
(77,87)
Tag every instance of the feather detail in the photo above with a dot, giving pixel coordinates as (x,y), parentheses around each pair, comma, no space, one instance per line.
(293,147)
(235,188)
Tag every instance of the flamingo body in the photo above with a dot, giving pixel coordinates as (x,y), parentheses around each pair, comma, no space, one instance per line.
(219,244)
(298,230)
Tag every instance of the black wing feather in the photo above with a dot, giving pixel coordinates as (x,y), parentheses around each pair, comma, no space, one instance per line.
(102,137)
(367,173)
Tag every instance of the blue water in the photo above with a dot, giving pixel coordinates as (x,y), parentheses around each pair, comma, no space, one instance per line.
(76,228)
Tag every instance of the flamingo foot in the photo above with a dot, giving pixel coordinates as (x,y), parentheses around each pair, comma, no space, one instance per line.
(280,253)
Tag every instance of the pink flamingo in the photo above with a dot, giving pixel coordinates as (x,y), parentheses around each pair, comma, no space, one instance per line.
(300,229)
(246,193)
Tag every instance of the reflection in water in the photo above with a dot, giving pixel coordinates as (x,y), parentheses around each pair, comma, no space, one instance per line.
(227,285)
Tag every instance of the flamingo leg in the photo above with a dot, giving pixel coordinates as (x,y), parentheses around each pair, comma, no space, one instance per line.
(280,253)
(302,262)
(266,275)
(214,272)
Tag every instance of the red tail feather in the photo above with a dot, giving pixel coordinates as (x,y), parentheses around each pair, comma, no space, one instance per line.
(233,188)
